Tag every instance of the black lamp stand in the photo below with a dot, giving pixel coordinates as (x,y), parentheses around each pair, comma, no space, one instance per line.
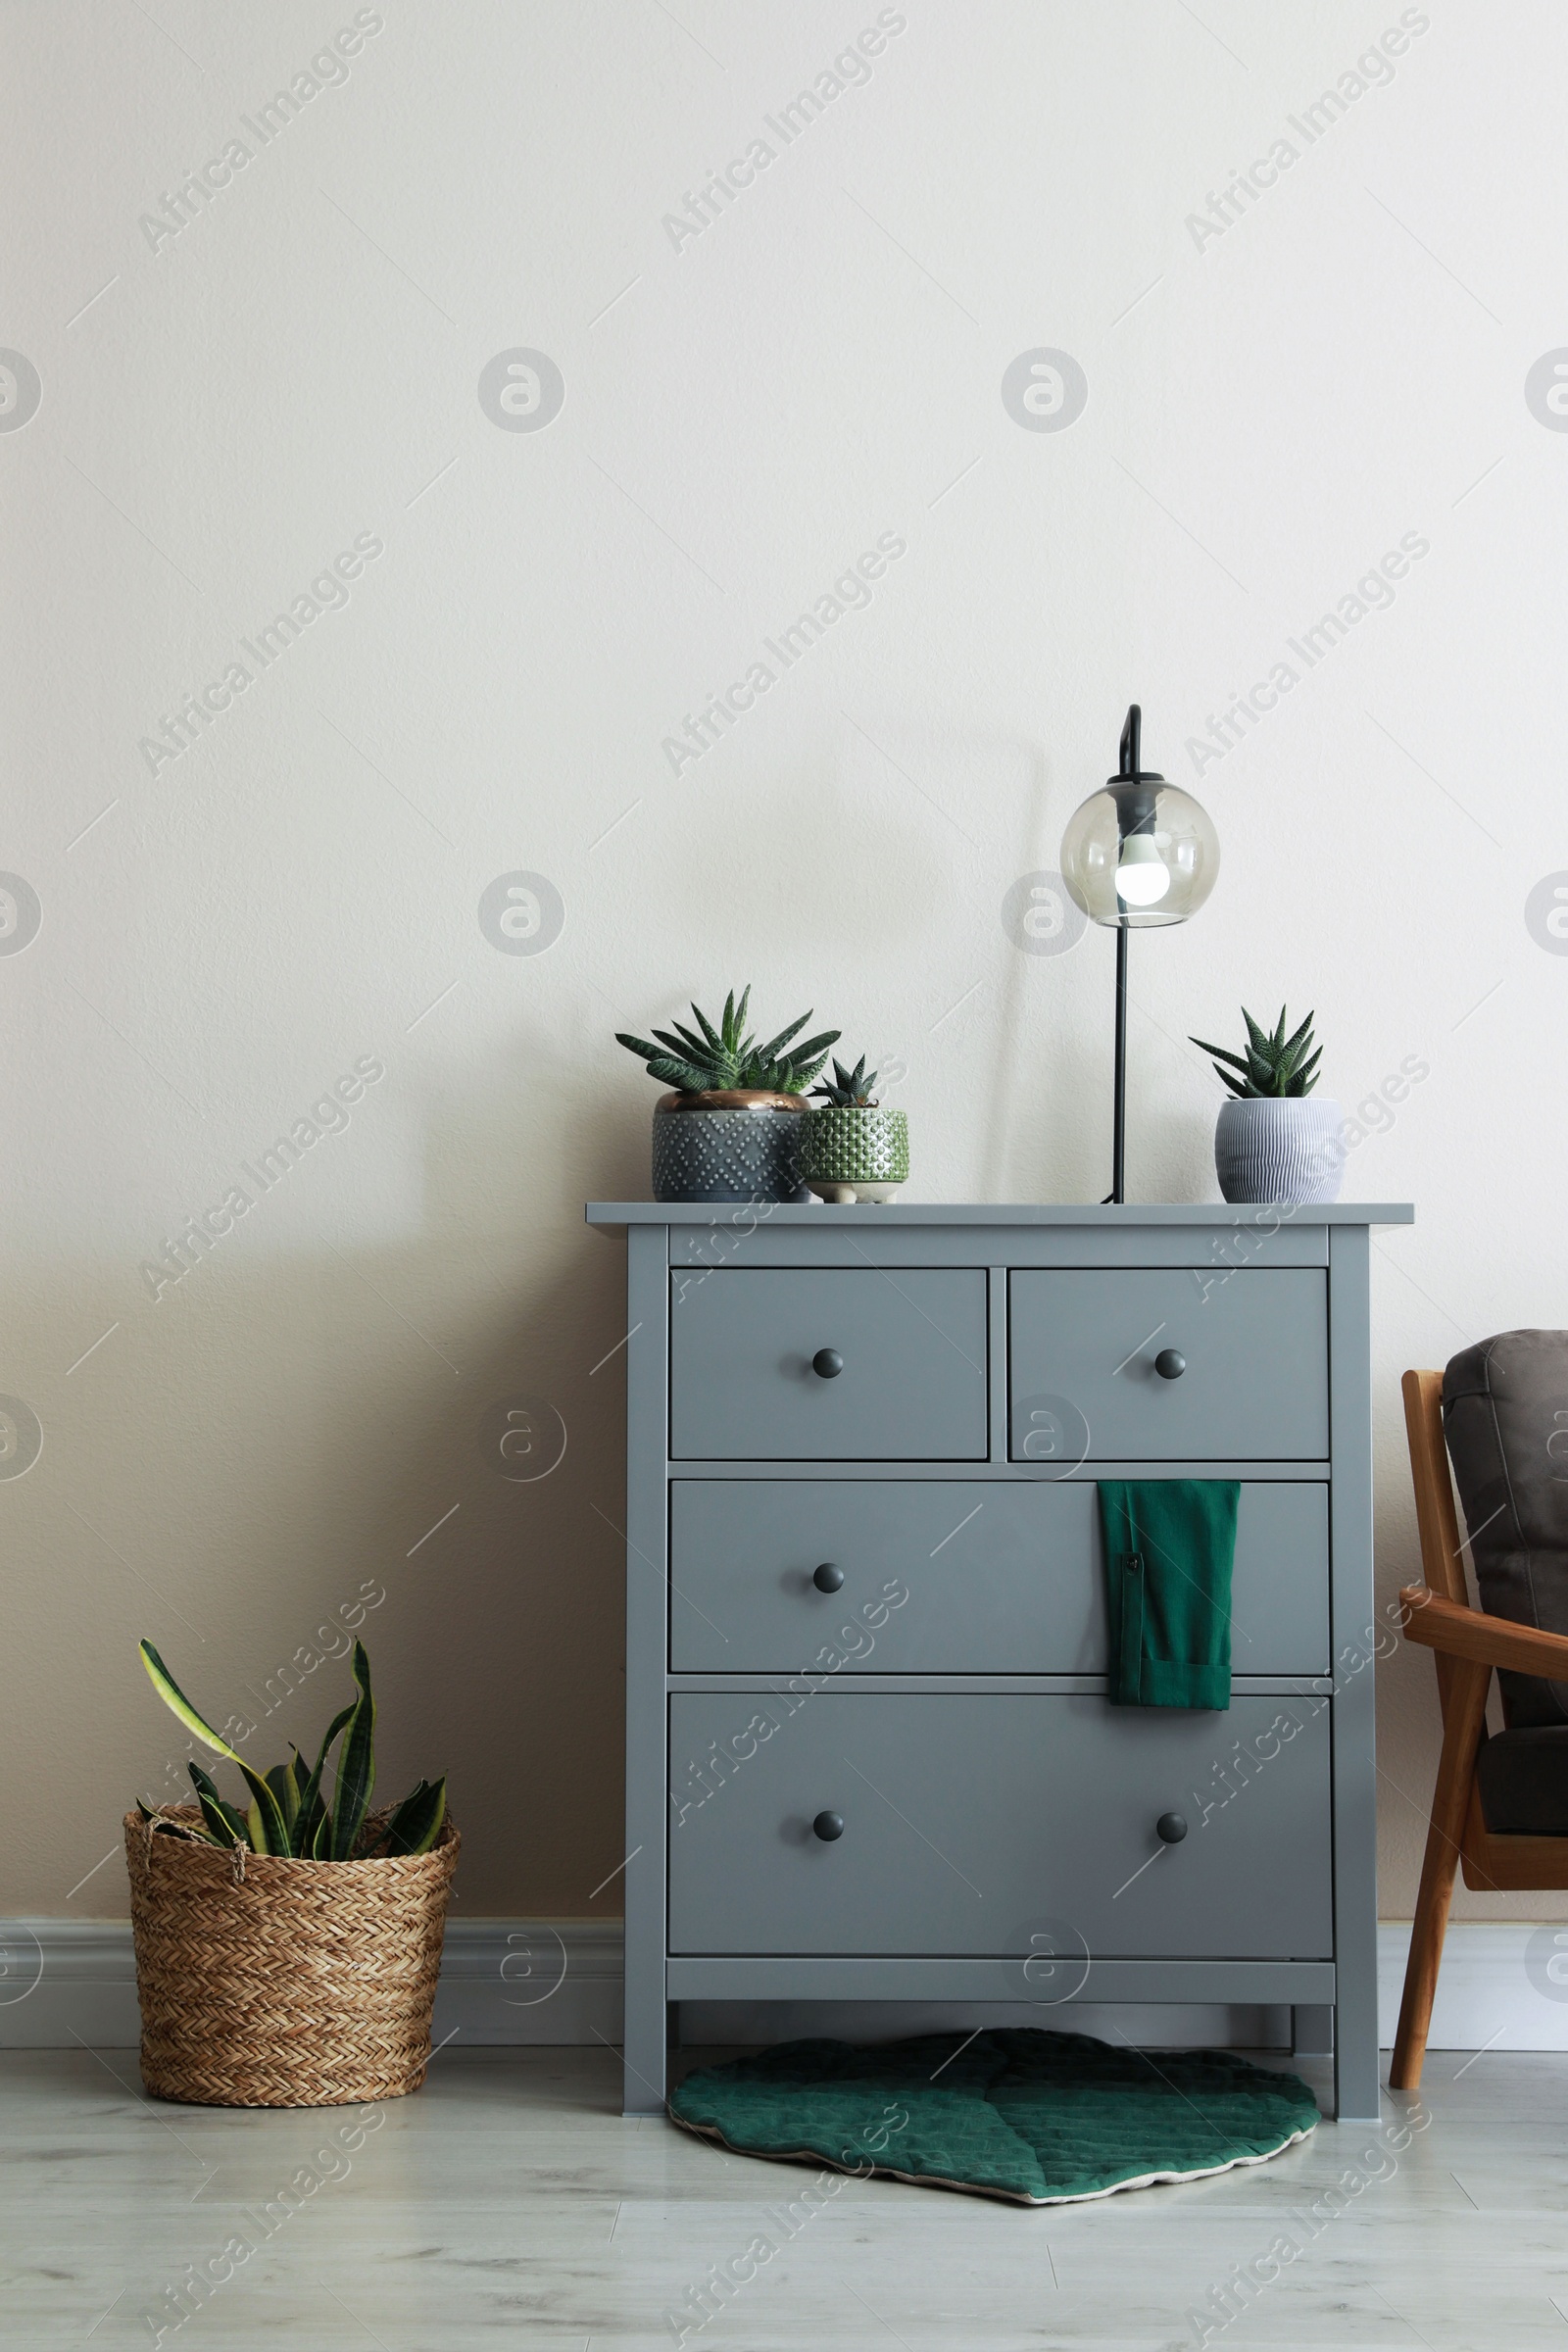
(1135,813)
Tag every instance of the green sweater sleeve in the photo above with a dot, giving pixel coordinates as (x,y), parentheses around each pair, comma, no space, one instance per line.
(1170,1544)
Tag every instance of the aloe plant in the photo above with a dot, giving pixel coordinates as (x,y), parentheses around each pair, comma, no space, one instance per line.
(1274,1065)
(288,1812)
(725,1059)
(850,1090)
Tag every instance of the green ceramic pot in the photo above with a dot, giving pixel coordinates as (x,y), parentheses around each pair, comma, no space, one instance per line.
(853,1153)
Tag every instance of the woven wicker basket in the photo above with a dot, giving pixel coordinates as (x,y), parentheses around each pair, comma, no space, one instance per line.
(296,1984)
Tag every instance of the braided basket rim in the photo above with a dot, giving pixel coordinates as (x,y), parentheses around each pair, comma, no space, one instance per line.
(145,1835)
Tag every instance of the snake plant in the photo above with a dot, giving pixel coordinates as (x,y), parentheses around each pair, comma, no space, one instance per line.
(726,1059)
(288,1811)
(1275,1064)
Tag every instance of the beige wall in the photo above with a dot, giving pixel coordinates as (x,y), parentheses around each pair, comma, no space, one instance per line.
(1271,408)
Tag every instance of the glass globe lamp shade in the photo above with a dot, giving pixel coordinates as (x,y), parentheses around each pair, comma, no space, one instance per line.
(1139,853)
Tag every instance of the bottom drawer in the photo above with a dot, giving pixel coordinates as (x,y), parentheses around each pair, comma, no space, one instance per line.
(979,1825)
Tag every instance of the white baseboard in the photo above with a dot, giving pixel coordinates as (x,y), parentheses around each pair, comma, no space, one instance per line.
(506,1980)
(1492,1991)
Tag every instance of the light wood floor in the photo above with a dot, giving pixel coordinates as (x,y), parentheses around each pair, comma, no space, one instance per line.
(510,2200)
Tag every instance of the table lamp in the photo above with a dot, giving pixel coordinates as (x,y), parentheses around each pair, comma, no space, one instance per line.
(1138,854)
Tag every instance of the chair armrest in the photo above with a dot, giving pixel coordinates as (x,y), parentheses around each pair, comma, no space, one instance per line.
(1462,1633)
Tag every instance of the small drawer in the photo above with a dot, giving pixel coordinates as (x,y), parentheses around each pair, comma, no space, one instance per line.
(1245,1354)
(829,1365)
(972,1825)
(956,1577)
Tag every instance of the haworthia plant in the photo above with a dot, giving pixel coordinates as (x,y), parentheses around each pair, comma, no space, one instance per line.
(849,1090)
(725,1059)
(1274,1065)
(287,1813)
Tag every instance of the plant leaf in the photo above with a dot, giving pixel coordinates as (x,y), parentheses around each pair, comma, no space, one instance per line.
(269,1832)
(174,1697)
(636,1044)
(815,1044)
(226,1821)
(356,1764)
(798,1081)
(1220,1055)
(1302,1037)
(681,1074)
(279,1778)
(416,1824)
(321,1841)
(312,1810)
(776,1046)
(715,1042)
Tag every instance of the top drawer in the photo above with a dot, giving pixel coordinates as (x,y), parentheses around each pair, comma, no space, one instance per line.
(1253,1344)
(910,1345)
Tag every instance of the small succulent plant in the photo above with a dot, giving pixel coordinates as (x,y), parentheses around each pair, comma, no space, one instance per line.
(726,1059)
(850,1090)
(288,1812)
(1274,1065)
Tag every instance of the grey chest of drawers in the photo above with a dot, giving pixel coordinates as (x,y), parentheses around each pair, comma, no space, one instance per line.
(869,1754)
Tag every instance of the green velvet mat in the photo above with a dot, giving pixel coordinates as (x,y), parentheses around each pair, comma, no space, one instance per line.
(1038,2117)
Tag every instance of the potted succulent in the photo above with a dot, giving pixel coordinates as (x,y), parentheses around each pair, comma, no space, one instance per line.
(287,1953)
(855,1150)
(1272,1142)
(732,1127)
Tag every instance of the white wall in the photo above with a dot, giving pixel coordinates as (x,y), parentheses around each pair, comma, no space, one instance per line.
(1270,410)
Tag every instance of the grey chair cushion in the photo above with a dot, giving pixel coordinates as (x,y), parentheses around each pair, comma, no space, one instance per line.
(1505,1416)
(1523,1778)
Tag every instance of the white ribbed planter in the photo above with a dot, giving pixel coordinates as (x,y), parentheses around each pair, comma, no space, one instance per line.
(1280,1148)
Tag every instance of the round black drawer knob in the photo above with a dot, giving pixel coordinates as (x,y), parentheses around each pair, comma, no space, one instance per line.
(827,1363)
(829,1576)
(1171,1827)
(1170,1363)
(828,1825)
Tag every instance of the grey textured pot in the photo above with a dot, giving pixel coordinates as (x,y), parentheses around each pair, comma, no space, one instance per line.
(735,1145)
(1280,1148)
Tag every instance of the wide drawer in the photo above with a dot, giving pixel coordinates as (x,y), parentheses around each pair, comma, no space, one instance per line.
(911,1346)
(956,1577)
(974,1825)
(1083,1349)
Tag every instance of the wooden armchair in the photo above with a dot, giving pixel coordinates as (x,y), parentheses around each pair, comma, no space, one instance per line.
(1467,1645)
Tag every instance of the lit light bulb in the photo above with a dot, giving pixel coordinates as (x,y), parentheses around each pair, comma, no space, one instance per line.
(1142,875)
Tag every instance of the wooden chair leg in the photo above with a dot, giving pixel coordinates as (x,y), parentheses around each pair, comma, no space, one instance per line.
(1461,1737)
